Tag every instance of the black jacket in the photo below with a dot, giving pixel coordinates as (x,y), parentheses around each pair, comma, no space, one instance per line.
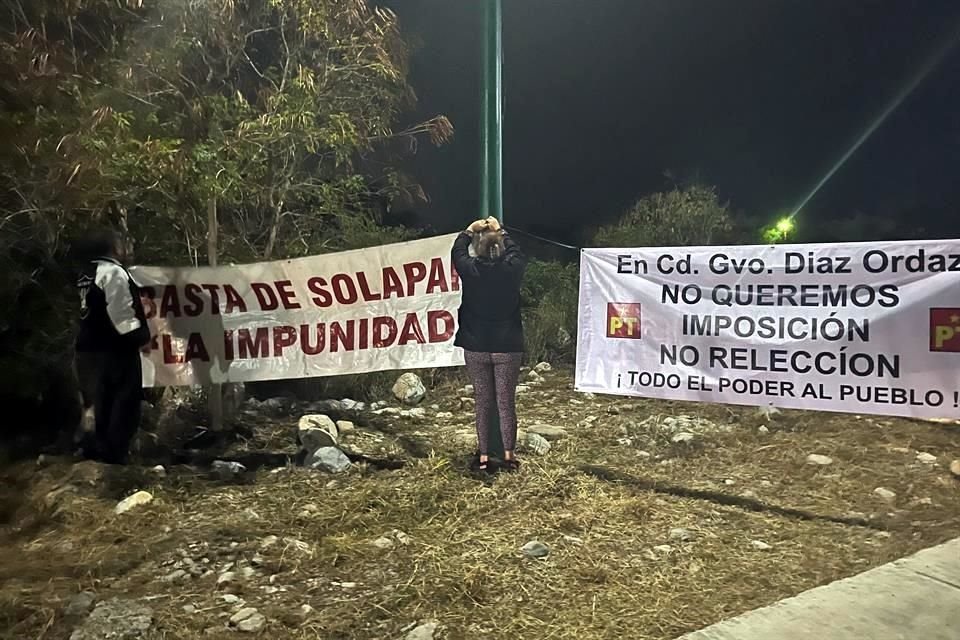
(489,317)
(111,314)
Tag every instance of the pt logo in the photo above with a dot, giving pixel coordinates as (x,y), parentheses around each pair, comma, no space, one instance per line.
(623,320)
(945,329)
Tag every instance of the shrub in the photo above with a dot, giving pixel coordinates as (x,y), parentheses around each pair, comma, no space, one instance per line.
(550,297)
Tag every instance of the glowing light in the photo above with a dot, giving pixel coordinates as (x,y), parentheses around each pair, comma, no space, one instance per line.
(784,225)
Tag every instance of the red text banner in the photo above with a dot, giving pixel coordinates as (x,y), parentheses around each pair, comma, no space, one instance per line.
(376,309)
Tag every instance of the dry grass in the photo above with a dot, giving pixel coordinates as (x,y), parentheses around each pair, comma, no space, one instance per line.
(462,566)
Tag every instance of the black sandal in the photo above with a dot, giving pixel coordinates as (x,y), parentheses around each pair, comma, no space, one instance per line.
(482,467)
(512,465)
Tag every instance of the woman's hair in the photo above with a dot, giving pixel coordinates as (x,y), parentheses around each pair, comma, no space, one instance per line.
(489,244)
(100,243)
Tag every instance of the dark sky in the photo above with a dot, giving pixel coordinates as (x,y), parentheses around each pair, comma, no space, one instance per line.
(758,97)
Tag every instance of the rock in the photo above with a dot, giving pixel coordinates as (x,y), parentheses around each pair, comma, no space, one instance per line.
(392,539)
(543,367)
(624,442)
(537,444)
(535,549)
(534,377)
(248,620)
(316,431)
(227,468)
(768,412)
(818,460)
(444,415)
(921,502)
(763,430)
(683,437)
(269,541)
(644,454)
(522,388)
(730,482)
(682,535)
(329,459)
(467,404)
(885,494)
(383,542)
(324,407)
(955,468)
(760,546)
(189,609)
(130,502)
(306,609)
(423,631)
(177,576)
(345,426)
(377,406)
(226,579)
(664,549)
(80,604)
(115,619)
(467,390)
(409,389)
(159,471)
(352,405)
(926,458)
(274,406)
(548,431)
(230,598)
(414,413)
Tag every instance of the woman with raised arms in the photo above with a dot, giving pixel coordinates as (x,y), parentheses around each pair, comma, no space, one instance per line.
(491,329)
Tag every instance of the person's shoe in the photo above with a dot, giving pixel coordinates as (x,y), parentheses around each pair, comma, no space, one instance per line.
(512,465)
(485,466)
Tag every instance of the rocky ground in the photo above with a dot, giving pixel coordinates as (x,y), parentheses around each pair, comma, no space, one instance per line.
(337,520)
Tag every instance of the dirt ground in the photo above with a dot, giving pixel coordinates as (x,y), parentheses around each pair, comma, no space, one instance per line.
(660,518)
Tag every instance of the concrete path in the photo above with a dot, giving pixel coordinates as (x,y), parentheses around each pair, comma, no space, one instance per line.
(916,598)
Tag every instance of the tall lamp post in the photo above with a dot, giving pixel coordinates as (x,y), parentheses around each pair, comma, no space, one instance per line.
(491,139)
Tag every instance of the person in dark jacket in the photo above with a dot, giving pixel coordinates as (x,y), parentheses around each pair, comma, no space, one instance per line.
(491,329)
(113,332)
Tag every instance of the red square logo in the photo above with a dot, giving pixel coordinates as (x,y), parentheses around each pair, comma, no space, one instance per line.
(623,320)
(945,329)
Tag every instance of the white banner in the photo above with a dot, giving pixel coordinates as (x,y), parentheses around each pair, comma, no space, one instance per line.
(869,328)
(388,307)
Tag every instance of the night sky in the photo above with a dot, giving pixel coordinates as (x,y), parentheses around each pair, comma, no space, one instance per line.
(757,97)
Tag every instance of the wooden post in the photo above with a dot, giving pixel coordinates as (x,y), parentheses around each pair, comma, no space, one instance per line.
(215,391)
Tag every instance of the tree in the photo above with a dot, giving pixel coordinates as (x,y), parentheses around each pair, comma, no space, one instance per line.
(268,106)
(687,216)
(282,114)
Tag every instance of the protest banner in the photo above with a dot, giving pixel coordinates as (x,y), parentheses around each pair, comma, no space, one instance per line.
(870,328)
(382,308)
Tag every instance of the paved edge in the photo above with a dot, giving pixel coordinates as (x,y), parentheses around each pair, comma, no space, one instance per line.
(908,599)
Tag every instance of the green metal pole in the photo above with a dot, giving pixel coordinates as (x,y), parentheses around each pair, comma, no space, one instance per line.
(491,138)
(491,181)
